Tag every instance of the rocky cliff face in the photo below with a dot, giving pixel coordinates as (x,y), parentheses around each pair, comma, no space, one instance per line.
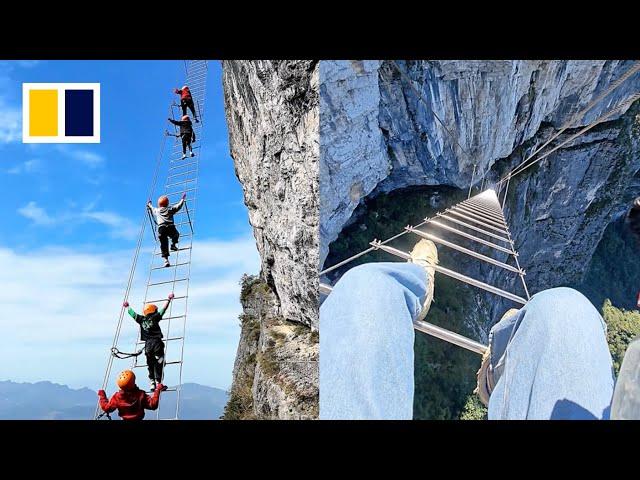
(380,137)
(272,118)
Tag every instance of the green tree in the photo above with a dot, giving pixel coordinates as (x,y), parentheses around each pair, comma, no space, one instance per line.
(622,327)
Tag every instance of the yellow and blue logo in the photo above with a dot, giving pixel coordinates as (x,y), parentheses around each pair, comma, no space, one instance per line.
(60,113)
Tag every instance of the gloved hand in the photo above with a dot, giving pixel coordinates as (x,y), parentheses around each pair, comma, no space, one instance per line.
(102,393)
(184,195)
(125,304)
(161,387)
(170,297)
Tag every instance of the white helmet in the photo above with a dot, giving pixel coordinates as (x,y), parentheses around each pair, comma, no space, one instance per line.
(183,87)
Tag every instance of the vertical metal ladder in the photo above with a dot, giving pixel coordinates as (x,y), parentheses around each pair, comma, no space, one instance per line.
(478,220)
(182,177)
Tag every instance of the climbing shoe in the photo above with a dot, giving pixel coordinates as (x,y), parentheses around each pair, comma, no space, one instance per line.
(184,155)
(152,385)
(174,247)
(166,262)
(425,254)
(197,121)
(486,376)
(193,154)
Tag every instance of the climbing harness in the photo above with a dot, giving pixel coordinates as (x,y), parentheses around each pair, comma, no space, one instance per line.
(481,214)
(182,177)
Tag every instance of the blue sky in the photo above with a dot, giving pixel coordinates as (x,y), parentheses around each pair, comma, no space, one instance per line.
(71,214)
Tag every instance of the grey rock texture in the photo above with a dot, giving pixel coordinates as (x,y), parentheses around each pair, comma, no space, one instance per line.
(273,117)
(494,110)
(272,110)
(275,375)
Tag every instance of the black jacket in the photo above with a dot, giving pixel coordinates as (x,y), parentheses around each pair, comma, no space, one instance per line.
(149,326)
(186,128)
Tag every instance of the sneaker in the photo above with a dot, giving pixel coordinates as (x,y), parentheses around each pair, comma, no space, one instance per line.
(174,247)
(486,380)
(193,154)
(166,262)
(425,254)
(152,385)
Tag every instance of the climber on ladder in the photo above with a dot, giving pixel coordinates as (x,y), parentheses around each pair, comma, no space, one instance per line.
(186,101)
(166,227)
(186,133)
(151,335)
(130,401)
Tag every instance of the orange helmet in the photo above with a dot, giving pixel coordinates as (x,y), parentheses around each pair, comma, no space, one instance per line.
(185,118)
(150,308)
(126,380)
(163,201)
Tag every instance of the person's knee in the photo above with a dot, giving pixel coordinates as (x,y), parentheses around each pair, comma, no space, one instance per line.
(562,307)
(364,276)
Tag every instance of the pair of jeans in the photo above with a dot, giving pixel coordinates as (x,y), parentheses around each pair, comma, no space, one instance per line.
(551,359)
(188,103)
(166,232)
(154,352)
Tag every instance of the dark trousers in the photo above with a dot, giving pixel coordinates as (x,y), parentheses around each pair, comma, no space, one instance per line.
(154,351)
(186,142)
(166,232)
(188,103)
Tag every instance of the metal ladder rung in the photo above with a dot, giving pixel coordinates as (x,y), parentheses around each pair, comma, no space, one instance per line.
(495,216)
(170,339)
(179,250)
(472,227)
(471,237)
(165,363)
(464,250)
(182,191)
(485,217)
(189,180)
(488,222)
(471,219)
(493,211)
(183,173)
(486,205)
(452,274)
(182,165)
(168,281)
(174,265)
(164,299)
(172,318)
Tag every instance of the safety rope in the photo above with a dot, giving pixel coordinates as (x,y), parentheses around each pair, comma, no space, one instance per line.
(122,355)
(579,115)
(596,122)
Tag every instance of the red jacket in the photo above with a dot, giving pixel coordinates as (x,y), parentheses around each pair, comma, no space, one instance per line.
(185,93)
(131,403)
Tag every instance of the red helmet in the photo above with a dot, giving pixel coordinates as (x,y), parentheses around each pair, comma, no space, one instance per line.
(163,201)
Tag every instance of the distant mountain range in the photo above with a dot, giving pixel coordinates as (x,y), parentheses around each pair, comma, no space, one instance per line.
(52,401)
